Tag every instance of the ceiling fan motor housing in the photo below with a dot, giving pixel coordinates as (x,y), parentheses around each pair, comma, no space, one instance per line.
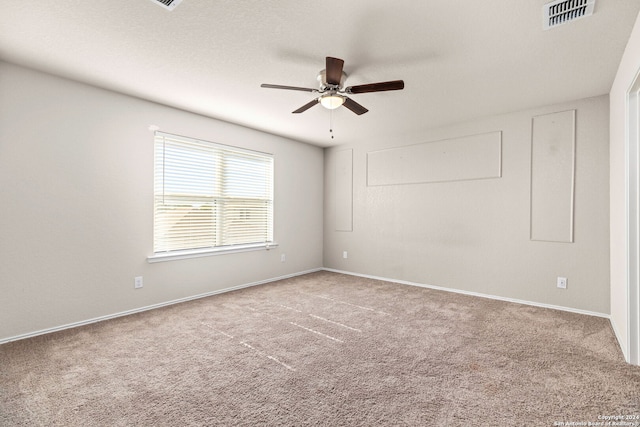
(322,81)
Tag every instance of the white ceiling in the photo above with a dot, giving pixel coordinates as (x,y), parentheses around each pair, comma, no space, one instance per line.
(460,59)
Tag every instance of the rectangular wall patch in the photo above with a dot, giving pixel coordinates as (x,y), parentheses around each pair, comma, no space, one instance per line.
(344,190)
(457,159)
(552,176)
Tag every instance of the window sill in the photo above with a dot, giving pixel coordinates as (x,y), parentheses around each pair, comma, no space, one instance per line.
(197,253)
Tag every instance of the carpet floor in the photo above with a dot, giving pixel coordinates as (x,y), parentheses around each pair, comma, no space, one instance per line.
(324,349)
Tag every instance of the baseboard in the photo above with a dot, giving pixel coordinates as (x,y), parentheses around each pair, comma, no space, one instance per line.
(475,294)
(150,307)
(262,282)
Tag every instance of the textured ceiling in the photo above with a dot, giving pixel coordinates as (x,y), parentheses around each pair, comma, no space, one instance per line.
(460,59)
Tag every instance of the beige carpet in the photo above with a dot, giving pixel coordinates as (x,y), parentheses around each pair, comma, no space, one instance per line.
(323,349)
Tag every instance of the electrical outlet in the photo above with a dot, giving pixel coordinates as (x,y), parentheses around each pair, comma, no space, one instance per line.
(283,257)
(562,283)
(137,283)
(344,254)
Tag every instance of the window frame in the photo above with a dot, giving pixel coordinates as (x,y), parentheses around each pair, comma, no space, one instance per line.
(221,151)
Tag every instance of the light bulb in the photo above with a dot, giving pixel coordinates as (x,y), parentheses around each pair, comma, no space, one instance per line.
(331,101)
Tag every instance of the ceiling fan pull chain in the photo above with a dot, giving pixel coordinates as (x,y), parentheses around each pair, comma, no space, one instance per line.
(331,123)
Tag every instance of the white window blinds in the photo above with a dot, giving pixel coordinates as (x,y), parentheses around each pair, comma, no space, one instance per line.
(209,195)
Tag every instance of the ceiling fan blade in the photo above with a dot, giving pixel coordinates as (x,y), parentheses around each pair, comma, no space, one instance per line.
(376,87)
(354,106)
(304,89)
(334,70)
(306,106)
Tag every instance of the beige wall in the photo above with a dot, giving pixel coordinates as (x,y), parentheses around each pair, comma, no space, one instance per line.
(474,235)
(627,71)
(76,170)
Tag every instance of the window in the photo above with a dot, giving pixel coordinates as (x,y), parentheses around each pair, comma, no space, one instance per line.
(210,197)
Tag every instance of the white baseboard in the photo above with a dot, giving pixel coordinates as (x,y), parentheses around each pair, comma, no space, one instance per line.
(475,294)
(261,282)
(149,307)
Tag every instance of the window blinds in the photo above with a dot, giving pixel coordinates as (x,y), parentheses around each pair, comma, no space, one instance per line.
(210,195)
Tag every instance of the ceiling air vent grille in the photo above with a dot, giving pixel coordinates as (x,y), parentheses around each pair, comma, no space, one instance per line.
(167,4)
(562,11)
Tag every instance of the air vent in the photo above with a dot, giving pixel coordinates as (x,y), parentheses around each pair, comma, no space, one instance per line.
(167,4)
(563,11)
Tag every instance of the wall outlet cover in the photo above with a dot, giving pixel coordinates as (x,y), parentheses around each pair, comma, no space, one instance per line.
(562,283)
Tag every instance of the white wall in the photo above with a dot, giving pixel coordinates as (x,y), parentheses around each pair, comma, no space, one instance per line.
(629,67)
(474,235)
(76,182)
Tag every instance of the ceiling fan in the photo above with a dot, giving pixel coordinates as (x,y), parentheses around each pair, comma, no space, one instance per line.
(332,91)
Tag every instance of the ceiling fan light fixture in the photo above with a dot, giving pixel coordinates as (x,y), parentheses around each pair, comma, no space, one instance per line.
(331,101)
